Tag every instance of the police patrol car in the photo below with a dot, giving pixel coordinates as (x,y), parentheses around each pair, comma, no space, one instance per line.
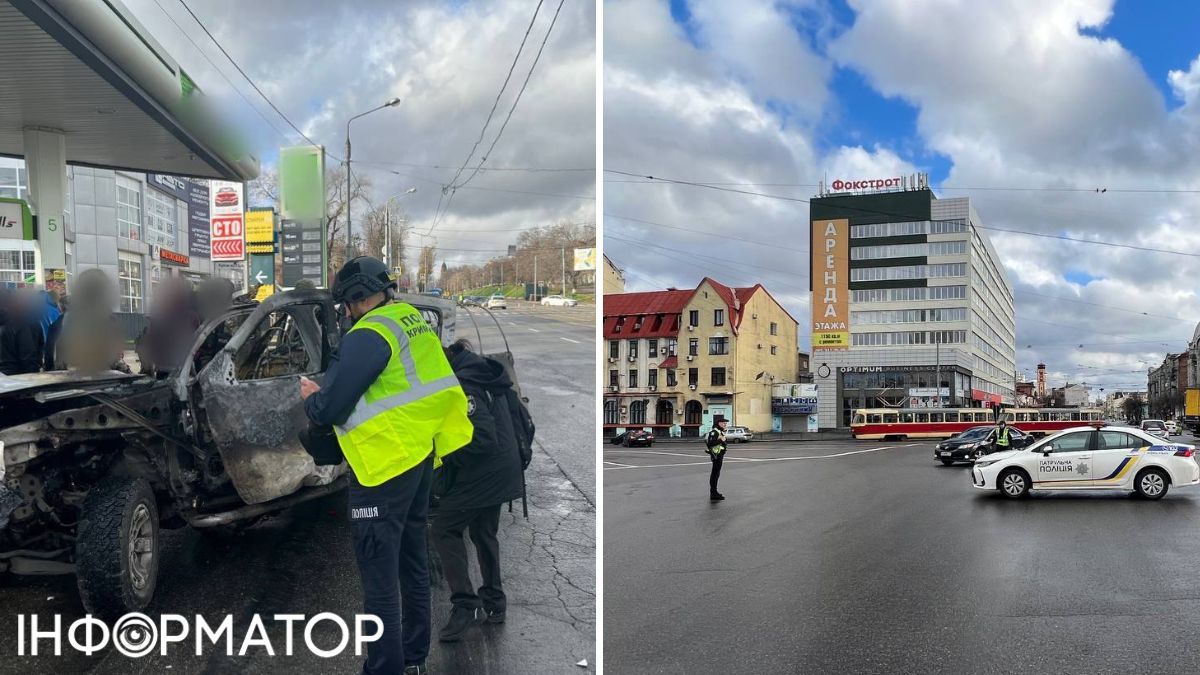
(1096,457)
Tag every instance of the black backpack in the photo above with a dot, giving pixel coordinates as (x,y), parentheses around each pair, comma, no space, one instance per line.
(523,426)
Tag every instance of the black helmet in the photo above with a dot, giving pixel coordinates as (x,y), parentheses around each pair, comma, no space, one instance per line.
(361,278)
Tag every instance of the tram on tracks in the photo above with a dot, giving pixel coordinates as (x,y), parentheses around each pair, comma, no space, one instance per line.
(904,423)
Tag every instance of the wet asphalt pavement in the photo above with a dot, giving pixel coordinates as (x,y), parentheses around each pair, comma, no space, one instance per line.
(884,561)
(302,561)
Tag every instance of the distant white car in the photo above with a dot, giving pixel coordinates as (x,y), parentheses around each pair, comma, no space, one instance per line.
(497,302)
(1091,458)
(1172,427)
(559,301)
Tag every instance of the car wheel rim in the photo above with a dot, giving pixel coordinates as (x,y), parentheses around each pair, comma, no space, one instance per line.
(1152,484)
(1013,484)
(978,453)
(141,547)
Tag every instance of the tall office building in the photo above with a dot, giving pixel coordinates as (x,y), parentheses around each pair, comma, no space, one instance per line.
(910,304)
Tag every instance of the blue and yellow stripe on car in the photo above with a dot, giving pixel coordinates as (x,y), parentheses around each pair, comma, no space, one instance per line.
(1118,474)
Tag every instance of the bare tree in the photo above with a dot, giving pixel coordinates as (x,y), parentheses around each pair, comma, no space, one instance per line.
(425,266)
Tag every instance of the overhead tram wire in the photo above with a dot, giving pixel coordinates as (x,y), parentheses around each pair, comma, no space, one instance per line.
(1102,189)
(806,251)
(454,186)
(251,81)
(499,94)
(537,57)
(859,209)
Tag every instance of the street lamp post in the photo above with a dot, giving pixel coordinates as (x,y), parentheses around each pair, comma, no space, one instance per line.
(391,103)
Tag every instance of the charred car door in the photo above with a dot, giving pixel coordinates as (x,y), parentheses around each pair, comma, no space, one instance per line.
(249,394)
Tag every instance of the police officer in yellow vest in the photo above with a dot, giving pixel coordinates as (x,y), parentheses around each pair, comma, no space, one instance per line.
(395,405)
(1000,437)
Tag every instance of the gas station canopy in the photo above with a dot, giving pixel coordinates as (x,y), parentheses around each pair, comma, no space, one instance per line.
(86,69)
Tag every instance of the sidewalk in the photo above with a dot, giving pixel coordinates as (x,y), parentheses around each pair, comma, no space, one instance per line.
(549,564)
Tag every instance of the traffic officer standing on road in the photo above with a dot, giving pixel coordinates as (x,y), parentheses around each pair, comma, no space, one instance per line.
(395,406)
(715,447)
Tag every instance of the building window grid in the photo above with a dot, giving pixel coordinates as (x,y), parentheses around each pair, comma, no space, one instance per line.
(889,316)
(902,272)
(129,274)
(129,208)
(946,226)
(718,377)
(160,214)
(905,338)
(908,250)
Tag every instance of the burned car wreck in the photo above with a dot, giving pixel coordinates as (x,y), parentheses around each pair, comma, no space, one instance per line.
(92,466)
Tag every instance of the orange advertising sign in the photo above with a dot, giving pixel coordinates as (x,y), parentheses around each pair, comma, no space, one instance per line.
(830,284)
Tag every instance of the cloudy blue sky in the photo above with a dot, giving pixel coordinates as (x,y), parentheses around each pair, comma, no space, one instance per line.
(322,61)
(1024,94)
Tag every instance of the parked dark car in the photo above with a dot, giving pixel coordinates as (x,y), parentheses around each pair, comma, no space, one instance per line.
(634,438)
(973,444)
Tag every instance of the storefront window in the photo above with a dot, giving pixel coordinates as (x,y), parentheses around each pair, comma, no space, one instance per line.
(18,266)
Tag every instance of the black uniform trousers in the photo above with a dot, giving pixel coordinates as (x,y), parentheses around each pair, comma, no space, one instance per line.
(389,524)
(715,475)
(482,525)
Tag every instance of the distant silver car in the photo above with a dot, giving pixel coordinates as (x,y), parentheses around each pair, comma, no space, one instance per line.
(559,301)
(738,435)
(497,302)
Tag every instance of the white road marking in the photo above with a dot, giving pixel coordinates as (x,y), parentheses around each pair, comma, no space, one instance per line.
(534,330)
(754,459)
(619,465)
(569,340)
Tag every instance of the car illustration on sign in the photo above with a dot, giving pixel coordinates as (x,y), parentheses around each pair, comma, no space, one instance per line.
(226,196)
(1096,457)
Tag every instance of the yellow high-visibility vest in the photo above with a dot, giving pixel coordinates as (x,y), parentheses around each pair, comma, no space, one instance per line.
(415,406)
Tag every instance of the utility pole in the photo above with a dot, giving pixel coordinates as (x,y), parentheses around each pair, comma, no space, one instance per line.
(564,271)
(535,278)
(937,378)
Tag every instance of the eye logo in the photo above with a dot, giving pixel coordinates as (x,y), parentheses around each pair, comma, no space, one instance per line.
(135,635)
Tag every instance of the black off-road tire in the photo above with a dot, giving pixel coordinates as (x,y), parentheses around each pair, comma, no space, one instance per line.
(104,547)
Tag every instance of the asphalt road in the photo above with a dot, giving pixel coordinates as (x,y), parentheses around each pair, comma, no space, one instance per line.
(869,557)
(302,562)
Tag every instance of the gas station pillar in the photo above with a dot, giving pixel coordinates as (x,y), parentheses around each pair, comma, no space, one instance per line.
(46,163)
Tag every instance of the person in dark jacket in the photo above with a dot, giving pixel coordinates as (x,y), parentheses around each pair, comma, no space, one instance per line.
(22,343)
(474,483)
(715,445)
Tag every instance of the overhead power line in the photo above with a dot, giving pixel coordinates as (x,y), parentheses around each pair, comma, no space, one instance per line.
(537,57)
(503,86)
(886,213)
(251,81)
(955,188)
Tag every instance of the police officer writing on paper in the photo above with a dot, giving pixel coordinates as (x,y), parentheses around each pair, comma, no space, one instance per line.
(473,484)
(394,405)
(715,447)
